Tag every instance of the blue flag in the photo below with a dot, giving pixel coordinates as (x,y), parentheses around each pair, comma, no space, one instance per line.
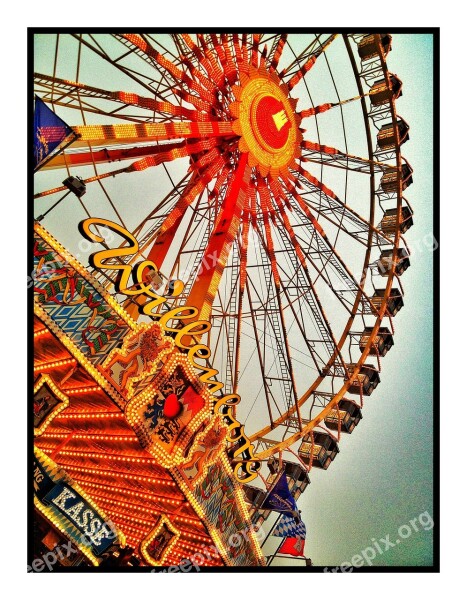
(50,132)
(288,527)
(280,498)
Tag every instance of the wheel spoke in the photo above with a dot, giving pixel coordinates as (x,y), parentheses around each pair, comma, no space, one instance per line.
(218,249)
(178,75)
(260,358)
(70,90)
(147,162)
(143,80)
(317,245)
(277,316)
(305,61)
(95,157)
(139,133)
(276,51)
(320,198)
(327,155)
(309,293)
(322,108)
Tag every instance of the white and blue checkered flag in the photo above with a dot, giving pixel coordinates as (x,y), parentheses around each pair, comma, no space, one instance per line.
(288,527)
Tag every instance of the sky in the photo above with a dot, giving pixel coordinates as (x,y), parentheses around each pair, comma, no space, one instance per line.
(382,477)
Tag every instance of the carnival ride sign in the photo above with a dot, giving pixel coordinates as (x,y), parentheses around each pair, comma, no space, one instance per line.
(151,372)
(185,336)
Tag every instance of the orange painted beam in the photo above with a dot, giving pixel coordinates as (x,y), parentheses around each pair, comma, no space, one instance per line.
(218,249)
(79,159)
(130,133)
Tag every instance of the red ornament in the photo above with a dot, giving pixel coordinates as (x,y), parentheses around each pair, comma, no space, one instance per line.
(172,406)
(272,122)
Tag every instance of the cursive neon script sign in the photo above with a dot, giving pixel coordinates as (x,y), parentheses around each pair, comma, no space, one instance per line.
(246,465)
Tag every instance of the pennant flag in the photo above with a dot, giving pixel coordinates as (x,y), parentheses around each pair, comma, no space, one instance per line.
(50,132)
(290,527)
(280,498)
(293,546)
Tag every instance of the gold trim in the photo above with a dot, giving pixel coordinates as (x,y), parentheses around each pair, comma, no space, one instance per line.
(164,520)
(64,401)
(191,432)
(122,351)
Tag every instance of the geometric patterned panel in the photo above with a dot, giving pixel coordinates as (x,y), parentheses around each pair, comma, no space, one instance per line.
(220,498)
(74,304)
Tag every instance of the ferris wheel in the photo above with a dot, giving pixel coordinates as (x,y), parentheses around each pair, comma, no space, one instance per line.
(263,175)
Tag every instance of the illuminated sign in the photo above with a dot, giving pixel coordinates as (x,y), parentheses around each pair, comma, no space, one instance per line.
(83,517)
(184,337)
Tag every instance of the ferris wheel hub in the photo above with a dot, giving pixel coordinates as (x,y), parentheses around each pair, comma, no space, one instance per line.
(266,122)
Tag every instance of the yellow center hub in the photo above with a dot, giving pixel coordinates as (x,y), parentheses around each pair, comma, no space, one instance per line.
(266,122)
